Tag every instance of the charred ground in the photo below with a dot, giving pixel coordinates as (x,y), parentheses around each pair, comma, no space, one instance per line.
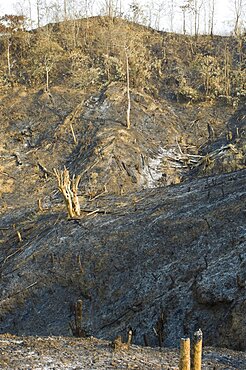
(168,233)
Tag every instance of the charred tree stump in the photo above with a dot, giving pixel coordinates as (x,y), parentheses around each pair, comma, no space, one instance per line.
(76,326)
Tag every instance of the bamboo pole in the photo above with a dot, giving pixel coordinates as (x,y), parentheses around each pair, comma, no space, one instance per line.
(197,351)
(184,362)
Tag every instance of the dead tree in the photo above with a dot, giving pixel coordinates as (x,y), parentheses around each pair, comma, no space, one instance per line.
(47,64)
(128,122)
(239,6)
(69,189)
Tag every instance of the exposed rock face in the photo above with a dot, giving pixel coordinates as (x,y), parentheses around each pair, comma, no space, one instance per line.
(171,255)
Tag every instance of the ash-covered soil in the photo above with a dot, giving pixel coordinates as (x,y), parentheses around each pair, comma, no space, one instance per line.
(160,244)
(39,353)
(167,143)
(169,258)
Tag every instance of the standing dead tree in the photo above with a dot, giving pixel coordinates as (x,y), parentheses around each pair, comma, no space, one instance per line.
(10,25)
(69,189)
(185,8)
(128,122)
(48,66)
(239,8)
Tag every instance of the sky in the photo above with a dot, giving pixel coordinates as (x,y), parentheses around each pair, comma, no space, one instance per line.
(223,17)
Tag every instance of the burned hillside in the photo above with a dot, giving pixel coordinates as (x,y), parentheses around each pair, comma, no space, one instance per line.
(162,225)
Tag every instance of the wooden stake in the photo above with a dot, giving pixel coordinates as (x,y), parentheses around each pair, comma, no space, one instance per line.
(184,362)
(197,351)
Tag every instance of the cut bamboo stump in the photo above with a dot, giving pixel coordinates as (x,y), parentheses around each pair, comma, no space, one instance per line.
(197,351)
(184,362)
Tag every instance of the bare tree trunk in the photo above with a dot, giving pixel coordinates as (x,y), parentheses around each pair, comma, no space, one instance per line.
(171,15)
(238,9)
(128,122)
(120,8)
(184,21)
(65,9)
(48,65)
(47,78)
(197,12)
(227,72)
(109,8)
(30,12)
(236,27)
(8,56)
(38,12)
(212,13)
(195,17)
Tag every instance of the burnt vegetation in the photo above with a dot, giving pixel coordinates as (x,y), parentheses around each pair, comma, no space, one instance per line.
(82,52)
(142,134)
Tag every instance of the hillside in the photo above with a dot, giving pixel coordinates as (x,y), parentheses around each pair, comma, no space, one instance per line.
(79,119)
(161,234)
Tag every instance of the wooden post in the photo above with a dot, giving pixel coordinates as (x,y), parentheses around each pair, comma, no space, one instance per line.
(197,351)
(184,362)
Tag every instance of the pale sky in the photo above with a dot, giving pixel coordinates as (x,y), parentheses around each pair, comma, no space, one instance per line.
(223,14)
